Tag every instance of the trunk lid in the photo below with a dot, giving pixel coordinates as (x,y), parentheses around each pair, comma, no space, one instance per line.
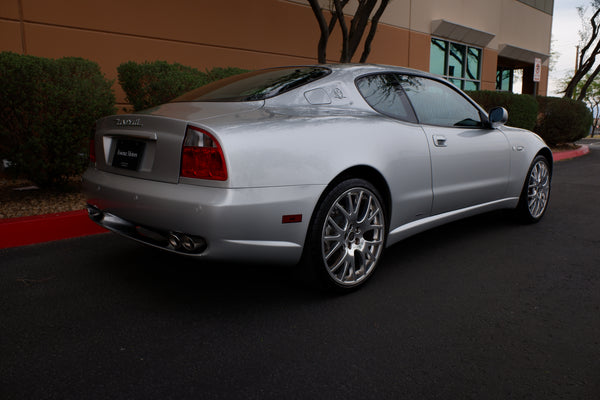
(148,145)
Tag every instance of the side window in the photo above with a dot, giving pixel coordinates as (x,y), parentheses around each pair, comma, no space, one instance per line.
(384,94)
(438,104)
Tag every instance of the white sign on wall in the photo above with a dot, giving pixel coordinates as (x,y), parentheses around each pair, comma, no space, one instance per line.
(537,69)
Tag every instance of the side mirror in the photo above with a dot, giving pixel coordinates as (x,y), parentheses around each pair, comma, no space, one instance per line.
(498,117)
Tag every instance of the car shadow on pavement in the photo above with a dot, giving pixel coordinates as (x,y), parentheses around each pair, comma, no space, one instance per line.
(190,280)
(182,278)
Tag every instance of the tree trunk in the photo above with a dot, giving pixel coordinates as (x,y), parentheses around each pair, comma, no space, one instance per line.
(585,64)
(371,35)
(350,38)
(324,38)
(359,23)
(595,110)
(333,19)
(588,82)
(340,16)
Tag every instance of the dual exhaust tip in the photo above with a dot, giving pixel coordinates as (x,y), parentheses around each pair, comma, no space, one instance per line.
(175,241)
(189,244)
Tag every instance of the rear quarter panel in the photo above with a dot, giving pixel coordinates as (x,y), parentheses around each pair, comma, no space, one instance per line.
(278,147)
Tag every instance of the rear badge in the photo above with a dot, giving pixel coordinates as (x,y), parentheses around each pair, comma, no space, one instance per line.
(128,122)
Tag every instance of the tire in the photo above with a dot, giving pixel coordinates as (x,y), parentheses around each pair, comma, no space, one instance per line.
(536,191)
(347,235)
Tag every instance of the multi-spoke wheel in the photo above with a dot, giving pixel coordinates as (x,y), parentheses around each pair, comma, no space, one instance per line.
(536,190)
(347,235)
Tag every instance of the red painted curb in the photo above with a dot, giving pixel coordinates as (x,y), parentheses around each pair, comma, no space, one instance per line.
(45,228)
(565,155)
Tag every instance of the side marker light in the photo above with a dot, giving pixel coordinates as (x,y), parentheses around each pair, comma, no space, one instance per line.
(291,219)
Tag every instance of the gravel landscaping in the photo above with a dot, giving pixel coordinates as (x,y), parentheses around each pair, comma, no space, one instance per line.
(21,198)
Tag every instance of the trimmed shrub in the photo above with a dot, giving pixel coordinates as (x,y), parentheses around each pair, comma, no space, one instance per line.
(562,120)
(153,83)
(221,73)
(522,108)
(150,84)
(48,108)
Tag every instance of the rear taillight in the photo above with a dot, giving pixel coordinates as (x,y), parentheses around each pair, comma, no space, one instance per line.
(202,157)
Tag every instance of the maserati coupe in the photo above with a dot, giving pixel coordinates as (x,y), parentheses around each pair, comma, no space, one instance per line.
(319,166)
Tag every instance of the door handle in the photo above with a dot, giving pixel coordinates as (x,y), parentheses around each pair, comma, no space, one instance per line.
(439,140)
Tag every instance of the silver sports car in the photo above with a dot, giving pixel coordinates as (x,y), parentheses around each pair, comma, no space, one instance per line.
(324,165)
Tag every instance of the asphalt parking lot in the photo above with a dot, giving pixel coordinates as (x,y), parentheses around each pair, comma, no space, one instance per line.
(483,308)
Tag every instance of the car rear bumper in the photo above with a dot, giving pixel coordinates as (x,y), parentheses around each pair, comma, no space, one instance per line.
(243,224)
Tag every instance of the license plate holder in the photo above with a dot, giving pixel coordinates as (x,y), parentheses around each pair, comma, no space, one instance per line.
(128,154)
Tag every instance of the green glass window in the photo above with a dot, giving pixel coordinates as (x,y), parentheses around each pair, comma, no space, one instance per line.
(455,82)
(438,104)
(471,85)
(437,57)
(456,61)
(384,94)
(504,79)
(473,62)
(459,63)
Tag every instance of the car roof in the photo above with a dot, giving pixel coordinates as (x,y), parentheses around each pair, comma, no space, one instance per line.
(372,68)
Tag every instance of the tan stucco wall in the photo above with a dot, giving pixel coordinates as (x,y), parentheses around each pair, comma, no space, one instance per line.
(10,36)
(247,34)
(419,49)
(511,21)
(543,84)
(488,69)
(524,27)
(9,9)
(259,34)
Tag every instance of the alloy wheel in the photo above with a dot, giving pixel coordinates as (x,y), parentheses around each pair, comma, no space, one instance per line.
(538,189)
(353,236)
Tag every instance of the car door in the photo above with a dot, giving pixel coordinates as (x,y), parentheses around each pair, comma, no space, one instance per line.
(407,167)
(469,162)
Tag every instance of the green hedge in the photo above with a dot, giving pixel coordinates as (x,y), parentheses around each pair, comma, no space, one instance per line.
(522,109)
(221,73)
(150,84)
(555,119)
(562,120)
(48,108)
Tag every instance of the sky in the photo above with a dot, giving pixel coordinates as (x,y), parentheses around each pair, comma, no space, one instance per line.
(565,27)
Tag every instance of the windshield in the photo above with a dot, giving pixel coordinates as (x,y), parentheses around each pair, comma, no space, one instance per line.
(256,85)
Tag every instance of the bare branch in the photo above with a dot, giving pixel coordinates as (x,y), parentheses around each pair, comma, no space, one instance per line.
(352,36)
(359,23)
(588,82)
(588,40)
(324,38)
(586,61)
(372,30)
(340,16)
(333,19)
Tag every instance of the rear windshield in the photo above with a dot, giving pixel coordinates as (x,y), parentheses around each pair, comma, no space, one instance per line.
(256,85)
